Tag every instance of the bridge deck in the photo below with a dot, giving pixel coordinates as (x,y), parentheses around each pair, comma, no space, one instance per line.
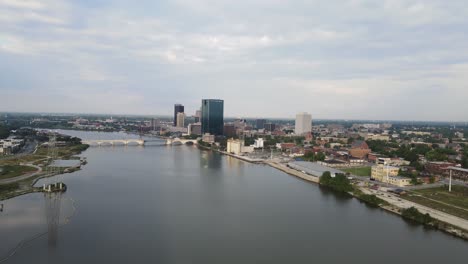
(114,141)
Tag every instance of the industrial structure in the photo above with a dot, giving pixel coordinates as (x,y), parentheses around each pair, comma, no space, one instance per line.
(53,192)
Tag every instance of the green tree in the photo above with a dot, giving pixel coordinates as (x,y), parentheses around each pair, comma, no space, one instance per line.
(414,214)
(415,181)
(465,161)
(320,156)
(339,183)
(326,178)
(436,155)
(249,141)
(4,131)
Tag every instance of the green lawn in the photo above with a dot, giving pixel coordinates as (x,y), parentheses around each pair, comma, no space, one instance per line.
(455,202)
(20,159)
(362,171)
(11,171)
(458,196)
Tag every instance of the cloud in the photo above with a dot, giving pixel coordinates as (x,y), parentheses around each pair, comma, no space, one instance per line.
(24,4)
(334,59)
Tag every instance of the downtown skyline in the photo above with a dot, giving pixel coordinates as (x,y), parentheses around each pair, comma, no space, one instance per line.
(394,60)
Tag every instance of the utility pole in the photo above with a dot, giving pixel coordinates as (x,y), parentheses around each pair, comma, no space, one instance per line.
(450,181)
(388,172)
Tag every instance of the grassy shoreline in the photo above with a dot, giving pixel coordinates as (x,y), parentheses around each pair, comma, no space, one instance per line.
(21,187)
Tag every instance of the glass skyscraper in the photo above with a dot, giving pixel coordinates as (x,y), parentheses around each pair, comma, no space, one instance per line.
(212,116)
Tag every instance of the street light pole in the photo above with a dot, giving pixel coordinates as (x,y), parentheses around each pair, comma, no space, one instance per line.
(450,181)
(388,172)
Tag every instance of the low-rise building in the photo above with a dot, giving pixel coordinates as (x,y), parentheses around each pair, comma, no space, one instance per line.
(438,167)
(389,174)
(285,146)
(458,173)
(208,138)
(459,134)
(194,129)
(399,181)
(334,163)
(359,149)
(377,137)
(9,146)
(236,146)
(380,172)
(259,143)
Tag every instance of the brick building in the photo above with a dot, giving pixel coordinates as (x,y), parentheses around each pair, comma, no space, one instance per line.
(438,168)
(359,149)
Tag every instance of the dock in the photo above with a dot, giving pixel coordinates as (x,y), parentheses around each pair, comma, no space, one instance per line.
(54,187)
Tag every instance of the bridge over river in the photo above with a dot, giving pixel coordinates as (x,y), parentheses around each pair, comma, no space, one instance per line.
(113,142)
(136,142)
(175,141)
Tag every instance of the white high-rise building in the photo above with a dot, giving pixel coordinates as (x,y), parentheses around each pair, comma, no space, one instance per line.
(303,123)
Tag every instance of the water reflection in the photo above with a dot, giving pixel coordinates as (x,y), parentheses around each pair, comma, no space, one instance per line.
(340,198)
(182,205)
(210,159)
(53,204)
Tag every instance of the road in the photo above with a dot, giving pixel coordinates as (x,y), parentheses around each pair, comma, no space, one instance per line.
(401,203)
(293,172)
(22,177)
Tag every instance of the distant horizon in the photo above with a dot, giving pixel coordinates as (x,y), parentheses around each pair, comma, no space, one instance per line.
(227,117)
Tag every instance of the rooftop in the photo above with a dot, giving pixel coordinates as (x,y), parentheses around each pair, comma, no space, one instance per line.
(458,169)
(313,168)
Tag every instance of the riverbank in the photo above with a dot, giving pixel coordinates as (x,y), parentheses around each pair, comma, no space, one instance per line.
(444,222)
(293,172)
(24,184)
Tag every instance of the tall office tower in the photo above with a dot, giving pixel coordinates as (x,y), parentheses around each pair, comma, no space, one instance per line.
(260,123)
(198,116)
(178,108)
(229,130)
(154,124)
(269,127)
(303,123)
(180,120)
(212,116)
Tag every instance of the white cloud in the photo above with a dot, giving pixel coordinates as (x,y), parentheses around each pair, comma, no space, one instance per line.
(332,50)
(24,4)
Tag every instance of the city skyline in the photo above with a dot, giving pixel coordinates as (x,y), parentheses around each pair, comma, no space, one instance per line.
(292,118)
(408,56)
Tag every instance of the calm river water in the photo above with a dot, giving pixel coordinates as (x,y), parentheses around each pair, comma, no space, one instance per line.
(159,204)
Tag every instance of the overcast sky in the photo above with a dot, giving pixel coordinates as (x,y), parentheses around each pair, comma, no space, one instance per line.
(353,59)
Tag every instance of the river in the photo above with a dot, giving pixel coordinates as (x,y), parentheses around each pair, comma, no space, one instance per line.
(162,204)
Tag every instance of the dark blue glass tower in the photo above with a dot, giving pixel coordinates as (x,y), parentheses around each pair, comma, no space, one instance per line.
(212,116)
(178,108)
